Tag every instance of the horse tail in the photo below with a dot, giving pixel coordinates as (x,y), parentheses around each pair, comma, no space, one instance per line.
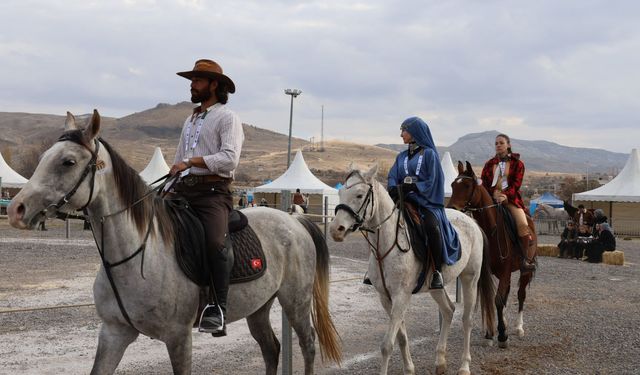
(487,289)
(327,333)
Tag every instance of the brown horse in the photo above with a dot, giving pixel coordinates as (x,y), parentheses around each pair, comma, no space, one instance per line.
(469,195)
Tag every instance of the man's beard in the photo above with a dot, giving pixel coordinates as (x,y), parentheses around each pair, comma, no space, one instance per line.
(200,96)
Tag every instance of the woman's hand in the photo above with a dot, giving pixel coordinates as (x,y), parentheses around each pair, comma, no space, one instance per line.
(499,197)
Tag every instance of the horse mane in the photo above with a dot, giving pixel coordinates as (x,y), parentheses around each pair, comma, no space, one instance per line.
(131,188)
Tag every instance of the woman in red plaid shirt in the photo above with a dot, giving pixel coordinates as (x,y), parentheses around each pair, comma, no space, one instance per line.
(502,177)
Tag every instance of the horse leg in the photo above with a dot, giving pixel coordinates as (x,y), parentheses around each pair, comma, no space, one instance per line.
(470,294)
(522,295)
(112,342)
(447,309)
(261,330)
(396,318)
(179,348)
(298,312)
(502,295)
(403,342)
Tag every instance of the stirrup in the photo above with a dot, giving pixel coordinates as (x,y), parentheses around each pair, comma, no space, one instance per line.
(436,281)
(212,326)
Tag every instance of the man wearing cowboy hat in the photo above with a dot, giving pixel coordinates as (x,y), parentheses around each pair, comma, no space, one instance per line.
(207,156)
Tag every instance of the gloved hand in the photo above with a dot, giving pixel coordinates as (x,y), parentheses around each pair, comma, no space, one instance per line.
(408,188)
(393,193)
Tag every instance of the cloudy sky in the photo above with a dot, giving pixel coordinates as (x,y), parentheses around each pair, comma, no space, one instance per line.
(563,71)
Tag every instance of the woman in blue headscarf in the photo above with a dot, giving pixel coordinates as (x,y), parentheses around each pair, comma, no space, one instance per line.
(418,172)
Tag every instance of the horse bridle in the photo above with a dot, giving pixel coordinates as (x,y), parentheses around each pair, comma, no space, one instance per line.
(467,206)
(90,168)
(359,219)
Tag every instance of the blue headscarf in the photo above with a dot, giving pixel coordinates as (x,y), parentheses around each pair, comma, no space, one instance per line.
(420,132)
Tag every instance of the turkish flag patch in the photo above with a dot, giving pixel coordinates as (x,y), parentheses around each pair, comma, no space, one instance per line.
(256,264)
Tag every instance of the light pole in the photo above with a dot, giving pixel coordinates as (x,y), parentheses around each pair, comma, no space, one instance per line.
(293,93)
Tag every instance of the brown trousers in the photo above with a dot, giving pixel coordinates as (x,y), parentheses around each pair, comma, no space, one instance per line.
(212,203)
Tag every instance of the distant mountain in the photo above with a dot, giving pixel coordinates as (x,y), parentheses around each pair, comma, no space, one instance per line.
(542,156)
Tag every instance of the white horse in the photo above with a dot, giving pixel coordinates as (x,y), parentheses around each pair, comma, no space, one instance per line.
(551,215)
(394,269)
(145,291)
(296,209)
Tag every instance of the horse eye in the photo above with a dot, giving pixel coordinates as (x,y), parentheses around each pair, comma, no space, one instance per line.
(359,196)
(69,163)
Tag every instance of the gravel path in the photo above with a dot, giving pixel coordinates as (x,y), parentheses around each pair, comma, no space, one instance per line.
(580,318)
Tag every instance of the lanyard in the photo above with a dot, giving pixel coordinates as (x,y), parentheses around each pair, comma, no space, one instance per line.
(187,136)
(406,164)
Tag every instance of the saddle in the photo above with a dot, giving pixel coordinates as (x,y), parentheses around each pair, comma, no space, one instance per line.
(191,254)
(508,225)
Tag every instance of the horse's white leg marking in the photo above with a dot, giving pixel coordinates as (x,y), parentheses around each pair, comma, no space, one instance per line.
(446,309)
(519,324)
(112,342)
(179,348)
(396,317)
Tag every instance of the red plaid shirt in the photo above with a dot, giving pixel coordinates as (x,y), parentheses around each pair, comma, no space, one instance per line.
(514,178)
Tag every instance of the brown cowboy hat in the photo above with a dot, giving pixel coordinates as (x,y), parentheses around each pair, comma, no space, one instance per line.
(209,69)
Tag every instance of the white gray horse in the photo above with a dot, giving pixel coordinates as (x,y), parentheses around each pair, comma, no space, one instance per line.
(156,298)
(394,269)
(550,215)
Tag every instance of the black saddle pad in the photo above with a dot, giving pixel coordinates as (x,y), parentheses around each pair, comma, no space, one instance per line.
(191,254)
(416,231)
(509,224)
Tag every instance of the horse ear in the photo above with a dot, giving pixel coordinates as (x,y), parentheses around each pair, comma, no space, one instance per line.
(469,167)
(371,173)
(93,127)
(460,167)
(70,122)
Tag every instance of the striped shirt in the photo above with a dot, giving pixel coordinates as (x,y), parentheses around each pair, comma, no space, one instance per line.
(219,141)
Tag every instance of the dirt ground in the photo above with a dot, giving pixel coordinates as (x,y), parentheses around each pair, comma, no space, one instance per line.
(580,318)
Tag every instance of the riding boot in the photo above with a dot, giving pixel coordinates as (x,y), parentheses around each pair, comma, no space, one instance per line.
(528,254)
(213,320)
(434,239)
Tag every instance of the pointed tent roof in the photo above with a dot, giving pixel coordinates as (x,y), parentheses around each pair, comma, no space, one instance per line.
(156,168)
(298,176)
(625,187)
(550,199)
(450,173)
(10,178)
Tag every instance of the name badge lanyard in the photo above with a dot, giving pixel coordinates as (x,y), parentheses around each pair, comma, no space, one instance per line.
(406,165)
(200,120)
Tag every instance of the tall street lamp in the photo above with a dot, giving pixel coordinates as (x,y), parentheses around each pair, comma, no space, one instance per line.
(293,93)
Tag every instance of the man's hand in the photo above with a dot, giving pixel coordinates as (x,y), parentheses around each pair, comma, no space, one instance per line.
(176,168)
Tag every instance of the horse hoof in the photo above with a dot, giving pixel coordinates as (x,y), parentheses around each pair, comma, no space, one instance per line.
(464,372)
(503,344)
(441,369)
(488,342)
(520,332)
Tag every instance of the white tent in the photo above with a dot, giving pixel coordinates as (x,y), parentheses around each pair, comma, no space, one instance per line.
(156,168)
(625,187)
(10,178)
(298,176)
(450,173)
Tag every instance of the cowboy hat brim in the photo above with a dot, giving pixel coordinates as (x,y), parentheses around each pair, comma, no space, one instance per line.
(231,87)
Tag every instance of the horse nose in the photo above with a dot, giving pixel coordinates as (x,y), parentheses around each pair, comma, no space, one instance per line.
(15,211)
(338,233)
(340,228)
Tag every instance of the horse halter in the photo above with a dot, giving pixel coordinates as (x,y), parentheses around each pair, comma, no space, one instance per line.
(90,168)
(359,219)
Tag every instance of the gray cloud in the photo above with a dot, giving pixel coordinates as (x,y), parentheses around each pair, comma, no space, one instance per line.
(560,71)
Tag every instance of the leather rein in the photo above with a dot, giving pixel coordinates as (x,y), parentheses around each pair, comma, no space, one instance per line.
(91,168)
(361,218)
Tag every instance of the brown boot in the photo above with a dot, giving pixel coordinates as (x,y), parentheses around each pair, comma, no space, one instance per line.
(528,261)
